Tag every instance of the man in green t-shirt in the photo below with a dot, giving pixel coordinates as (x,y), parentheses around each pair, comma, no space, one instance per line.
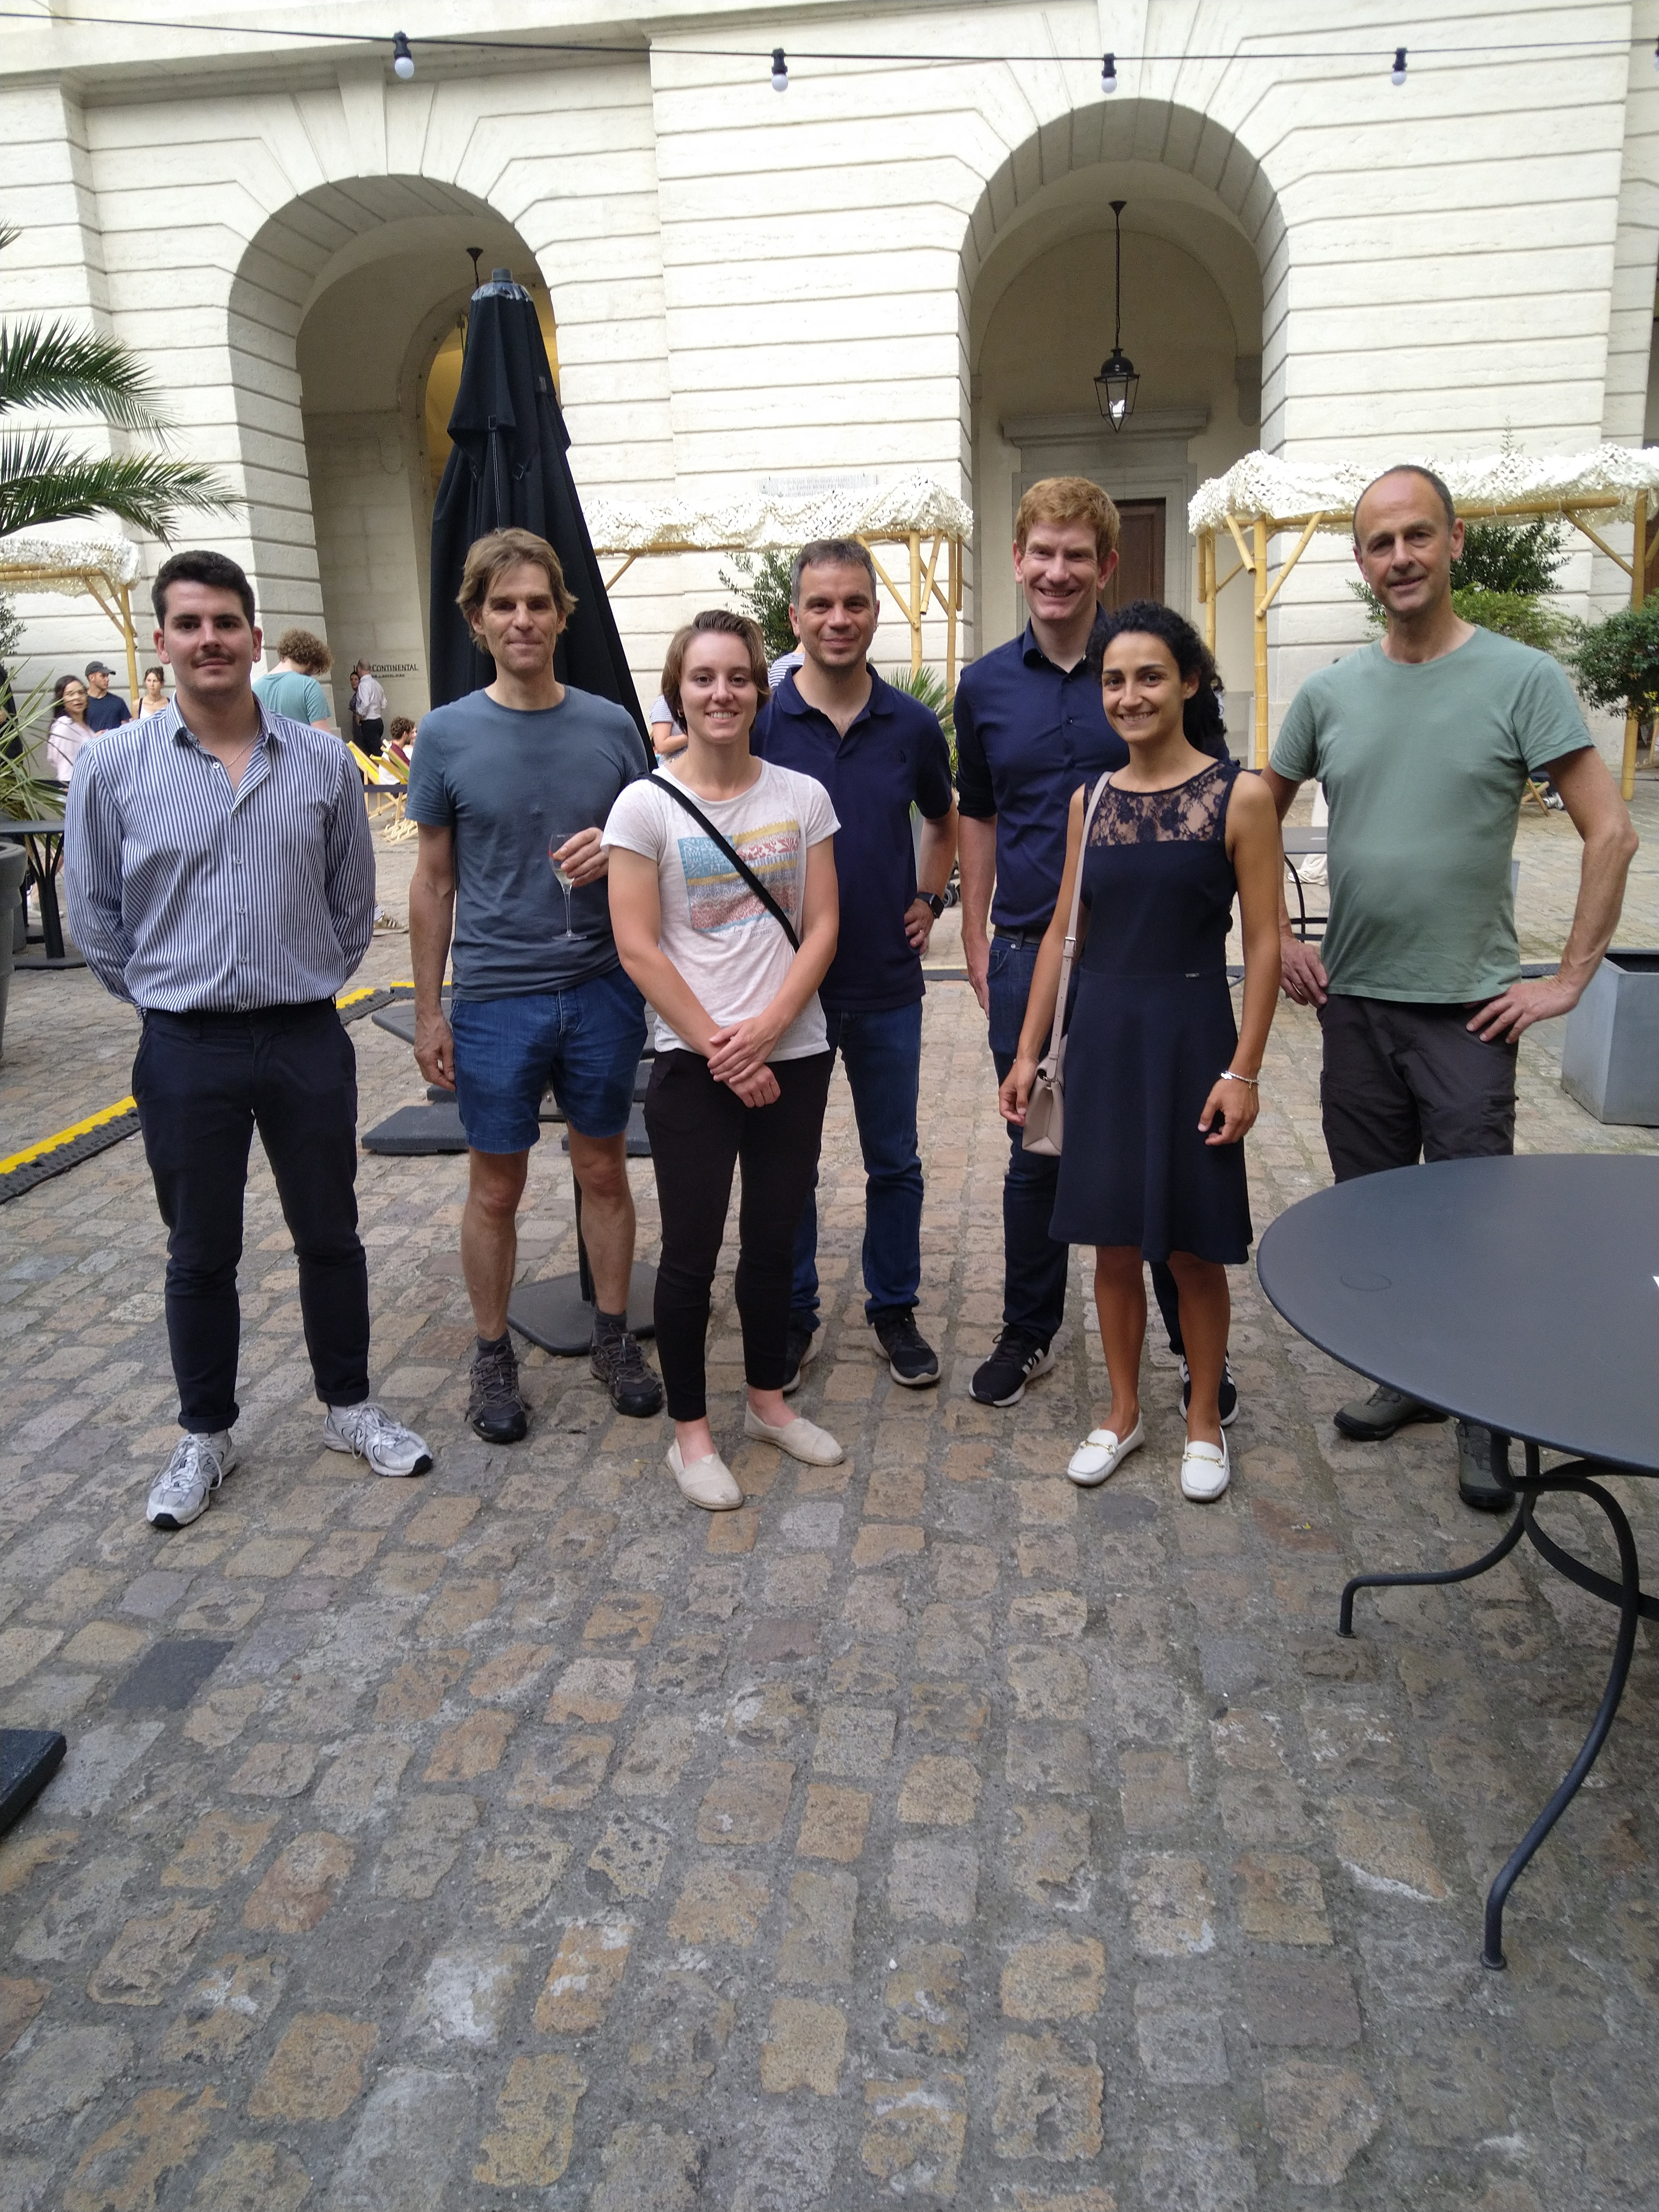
(1423,743)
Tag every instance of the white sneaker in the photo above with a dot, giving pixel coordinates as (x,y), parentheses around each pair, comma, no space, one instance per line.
(367,1431)
(1206,1471)
(707,1482)
(180,1493)
(1103,1451)
(801,1439)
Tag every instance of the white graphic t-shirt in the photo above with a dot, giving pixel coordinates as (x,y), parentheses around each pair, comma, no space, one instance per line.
(723,941)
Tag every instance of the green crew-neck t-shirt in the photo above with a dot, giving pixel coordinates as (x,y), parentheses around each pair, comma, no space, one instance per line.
(1423,764)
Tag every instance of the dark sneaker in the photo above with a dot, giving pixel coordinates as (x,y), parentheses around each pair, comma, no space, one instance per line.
(496,1408)
(1019,1358)
(911,1359)
(800,1349)
(620,1365)
(1368,1420)
(1227,1397)
(1477,1484)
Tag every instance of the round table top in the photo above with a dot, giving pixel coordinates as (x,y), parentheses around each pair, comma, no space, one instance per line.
(1522,1293)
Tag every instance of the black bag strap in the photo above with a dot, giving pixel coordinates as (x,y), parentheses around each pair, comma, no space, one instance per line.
(666,783)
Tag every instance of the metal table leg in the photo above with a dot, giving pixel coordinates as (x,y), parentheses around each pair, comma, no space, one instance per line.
(1626,1593)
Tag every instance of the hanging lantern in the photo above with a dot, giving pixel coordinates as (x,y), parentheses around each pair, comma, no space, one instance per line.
(1116,384)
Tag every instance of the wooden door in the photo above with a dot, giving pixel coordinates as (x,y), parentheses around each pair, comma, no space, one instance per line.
(1139,571)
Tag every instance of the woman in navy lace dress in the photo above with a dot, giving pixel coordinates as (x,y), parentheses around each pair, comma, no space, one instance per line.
(1160,1081)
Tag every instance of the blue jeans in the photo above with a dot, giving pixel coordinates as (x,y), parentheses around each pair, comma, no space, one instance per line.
(1033,1265)
(882,1054)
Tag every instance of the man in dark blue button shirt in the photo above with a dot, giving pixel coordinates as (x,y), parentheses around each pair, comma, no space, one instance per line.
(1031,728)
(879,752)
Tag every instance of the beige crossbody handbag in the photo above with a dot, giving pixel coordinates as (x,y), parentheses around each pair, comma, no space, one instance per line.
(1045,1110)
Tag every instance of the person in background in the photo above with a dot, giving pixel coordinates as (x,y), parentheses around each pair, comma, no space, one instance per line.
(369,709)
(400,738)
(1424,741)
(70,729)
(879,753)
(106,709)
(11,745)
(293,687)
(221,878)
(667,737)
(152,699)
(730,958)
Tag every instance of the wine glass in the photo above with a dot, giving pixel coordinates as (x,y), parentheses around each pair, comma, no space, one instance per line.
(556,843)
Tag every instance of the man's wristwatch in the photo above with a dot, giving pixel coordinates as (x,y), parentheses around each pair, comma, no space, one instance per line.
(934,901)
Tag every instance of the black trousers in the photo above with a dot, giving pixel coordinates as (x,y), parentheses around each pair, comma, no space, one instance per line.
(202,1083)
(371,736)
(700,1130)
(1402,1080)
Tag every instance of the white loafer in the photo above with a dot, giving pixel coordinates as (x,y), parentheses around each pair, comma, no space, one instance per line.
(801,1439)
(1103,1451)
(1206,1471)
(707,1482)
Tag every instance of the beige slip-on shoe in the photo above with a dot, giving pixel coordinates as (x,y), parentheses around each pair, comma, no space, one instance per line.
(707,1482)
(801,1439)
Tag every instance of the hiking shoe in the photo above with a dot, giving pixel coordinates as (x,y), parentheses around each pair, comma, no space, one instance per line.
(180,1493)
(496,1408)
(619,1363)
(369,1432)
(1019,1359)
(800,1349)
(911,1359)
(1368,1420)
(1227,1397)
(1477,1483)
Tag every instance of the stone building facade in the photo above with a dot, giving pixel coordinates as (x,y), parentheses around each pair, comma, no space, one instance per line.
(903,262)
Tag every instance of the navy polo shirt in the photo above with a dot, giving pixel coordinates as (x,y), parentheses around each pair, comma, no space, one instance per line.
(894,755)
(1027,734)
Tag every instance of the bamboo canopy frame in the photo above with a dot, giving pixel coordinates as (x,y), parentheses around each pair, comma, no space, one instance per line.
(112,593)
(1571,504)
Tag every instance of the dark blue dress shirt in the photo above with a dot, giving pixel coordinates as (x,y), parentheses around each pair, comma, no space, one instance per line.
(893,756)
(1027,734)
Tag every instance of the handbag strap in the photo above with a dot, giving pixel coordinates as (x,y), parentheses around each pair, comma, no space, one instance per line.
(666,783)
(1057,1036)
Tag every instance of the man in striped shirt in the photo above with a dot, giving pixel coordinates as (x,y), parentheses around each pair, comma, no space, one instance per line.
(221,878)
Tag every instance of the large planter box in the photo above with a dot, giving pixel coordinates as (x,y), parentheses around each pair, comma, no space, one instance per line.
(1610,1058)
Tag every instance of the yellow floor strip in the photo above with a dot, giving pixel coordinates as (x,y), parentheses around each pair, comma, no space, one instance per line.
(67,1136)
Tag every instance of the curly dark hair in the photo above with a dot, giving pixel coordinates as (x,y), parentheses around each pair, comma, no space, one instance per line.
(1201,718)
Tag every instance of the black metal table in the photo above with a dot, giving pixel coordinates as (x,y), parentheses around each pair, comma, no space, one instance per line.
(44,843)
(1523,1294)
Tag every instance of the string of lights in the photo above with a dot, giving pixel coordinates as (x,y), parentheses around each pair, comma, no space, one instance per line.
(404,62)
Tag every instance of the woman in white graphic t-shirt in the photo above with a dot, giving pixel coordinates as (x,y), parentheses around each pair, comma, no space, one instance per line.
(730,958)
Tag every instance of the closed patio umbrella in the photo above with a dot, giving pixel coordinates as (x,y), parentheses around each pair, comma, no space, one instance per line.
(507,468)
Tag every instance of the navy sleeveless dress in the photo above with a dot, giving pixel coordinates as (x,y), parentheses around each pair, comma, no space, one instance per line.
(1151,1028)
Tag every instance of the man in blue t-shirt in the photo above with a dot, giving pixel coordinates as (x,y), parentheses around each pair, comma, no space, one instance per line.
(106,709)
(879,753)
(511,787)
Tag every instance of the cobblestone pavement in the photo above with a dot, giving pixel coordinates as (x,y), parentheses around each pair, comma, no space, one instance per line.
(926,1831)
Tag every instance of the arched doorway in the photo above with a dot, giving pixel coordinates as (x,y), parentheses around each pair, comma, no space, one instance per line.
(1200,229)
(364,288)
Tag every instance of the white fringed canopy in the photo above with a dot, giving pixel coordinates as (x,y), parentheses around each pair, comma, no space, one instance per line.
(101,568)
(1266,494)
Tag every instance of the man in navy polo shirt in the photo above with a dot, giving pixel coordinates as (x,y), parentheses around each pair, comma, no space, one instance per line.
(877,752)
(1030,728)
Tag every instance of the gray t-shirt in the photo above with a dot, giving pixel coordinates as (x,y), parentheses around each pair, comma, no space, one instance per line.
(1423,764)
(513,786)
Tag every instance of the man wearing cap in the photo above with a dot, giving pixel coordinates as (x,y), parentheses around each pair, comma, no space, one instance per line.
(106,709)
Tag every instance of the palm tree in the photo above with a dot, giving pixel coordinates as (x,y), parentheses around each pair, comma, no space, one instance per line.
(49,364)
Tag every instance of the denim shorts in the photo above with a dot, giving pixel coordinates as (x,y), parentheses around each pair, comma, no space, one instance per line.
(585,1041)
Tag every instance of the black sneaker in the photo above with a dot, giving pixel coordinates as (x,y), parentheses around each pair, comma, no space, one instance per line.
(800,1349)
(1227,1397)
(620,1365)
(496,1408)
(1368,1420)
(1477,1484)
(1019,1358)
(911,1359)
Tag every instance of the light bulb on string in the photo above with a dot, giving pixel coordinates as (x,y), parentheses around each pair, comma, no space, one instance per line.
(779,70)
(402,62)
(1397,74)
(1109,73)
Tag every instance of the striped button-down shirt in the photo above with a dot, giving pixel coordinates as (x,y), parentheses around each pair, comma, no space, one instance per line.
(187,896)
